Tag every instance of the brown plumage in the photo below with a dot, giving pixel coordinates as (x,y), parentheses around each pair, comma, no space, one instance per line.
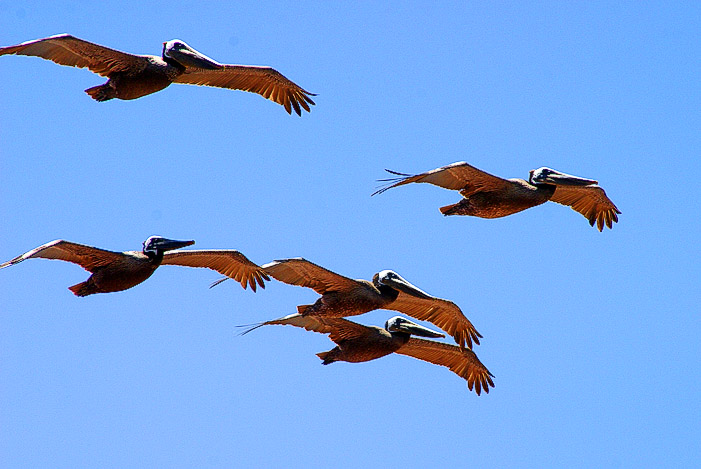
(488,196)
(117,271)
(358,343)
(133,76)
(342,296)
(227,262)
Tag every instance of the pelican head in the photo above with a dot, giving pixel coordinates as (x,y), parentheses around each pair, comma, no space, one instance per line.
(550,176)
(400,324)
(187,56)
(156,245)
(393,280)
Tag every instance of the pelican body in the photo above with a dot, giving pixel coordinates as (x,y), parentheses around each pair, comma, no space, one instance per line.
(501,203)
(365,297)
(375,342)
(357,343)
(116,271)
(488,196)
(133,76)
(342,296)
(111,271)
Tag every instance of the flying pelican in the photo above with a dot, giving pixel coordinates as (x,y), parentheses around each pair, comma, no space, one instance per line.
(488,196)
(342,296)
(117,271)
(133,76)
(357,343)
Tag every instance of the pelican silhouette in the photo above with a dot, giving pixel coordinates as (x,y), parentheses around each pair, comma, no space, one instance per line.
(133,76)
(358,343)
(117,271)
(488,196)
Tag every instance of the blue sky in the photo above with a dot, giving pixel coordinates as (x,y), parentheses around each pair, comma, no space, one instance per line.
(592,337)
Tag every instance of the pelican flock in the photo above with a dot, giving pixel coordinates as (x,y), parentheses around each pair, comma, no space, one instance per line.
(483,195)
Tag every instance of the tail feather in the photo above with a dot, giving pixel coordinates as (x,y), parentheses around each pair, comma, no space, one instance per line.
(101,92)
(448,209)
(83,289)
(326,359)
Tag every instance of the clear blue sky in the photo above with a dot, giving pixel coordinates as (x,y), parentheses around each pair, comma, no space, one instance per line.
(593,338)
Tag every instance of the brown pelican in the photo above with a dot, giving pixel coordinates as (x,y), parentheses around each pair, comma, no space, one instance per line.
(117,271)
(342,296)
(357,343)
(133,76)
(488,196)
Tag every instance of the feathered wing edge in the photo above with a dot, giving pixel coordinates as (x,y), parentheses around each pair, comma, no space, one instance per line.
(464,363)
(229,262)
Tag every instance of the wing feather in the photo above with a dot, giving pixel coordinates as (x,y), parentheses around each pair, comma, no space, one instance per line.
(591,201)
(301,272)
(458,176)
(228,262)
(443,313)
(265,81)
(337,328)
(464,363)
(65,49)
(88,257)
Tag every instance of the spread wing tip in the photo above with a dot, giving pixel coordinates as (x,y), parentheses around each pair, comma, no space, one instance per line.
(389,183)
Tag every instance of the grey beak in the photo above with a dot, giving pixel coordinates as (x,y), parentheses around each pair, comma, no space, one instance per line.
(191,58)
(562,179)
(396,281)
(401,324)
(171,244)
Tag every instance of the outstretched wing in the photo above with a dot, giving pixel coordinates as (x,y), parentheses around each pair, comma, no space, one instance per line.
(591,201)
(458,176)
(87,257)
(65,49)
(301,272)
(264,81)
(443,313)
(464,363)
(228,262)
(337,328)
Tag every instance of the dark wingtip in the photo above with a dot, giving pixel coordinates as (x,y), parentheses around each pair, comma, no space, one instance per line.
(389,182)
(397,173)
(217,282)
(251,327)
(261,279)
(296,107)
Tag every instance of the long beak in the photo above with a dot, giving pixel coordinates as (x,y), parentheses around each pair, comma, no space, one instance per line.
(412,328)
(171,244)
(189,57)
(562,179)
(396,281)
